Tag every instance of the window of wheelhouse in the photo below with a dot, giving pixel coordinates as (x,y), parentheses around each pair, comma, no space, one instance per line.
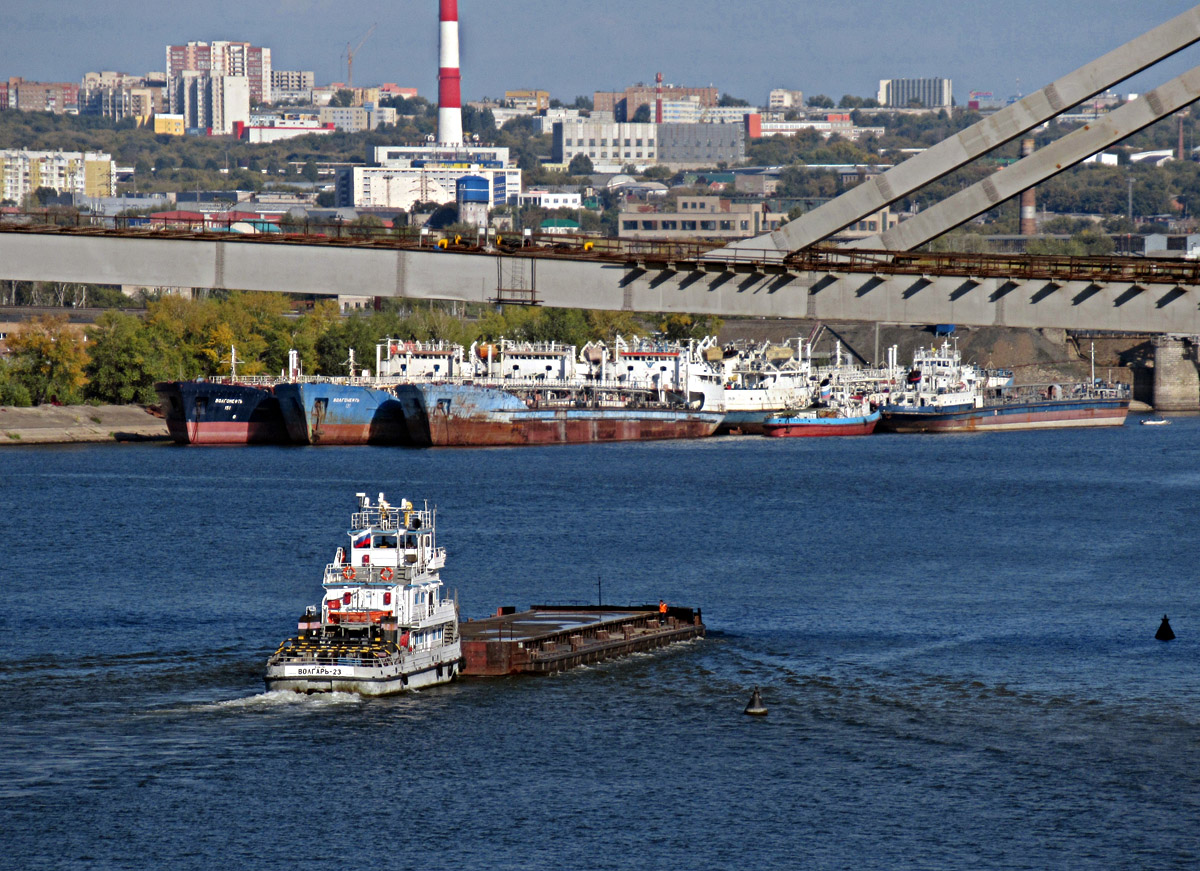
(384,541)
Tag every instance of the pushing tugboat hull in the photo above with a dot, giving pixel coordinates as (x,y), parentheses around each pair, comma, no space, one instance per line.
(364,680)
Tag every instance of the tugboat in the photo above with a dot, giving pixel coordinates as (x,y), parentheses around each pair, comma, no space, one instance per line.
(384,626)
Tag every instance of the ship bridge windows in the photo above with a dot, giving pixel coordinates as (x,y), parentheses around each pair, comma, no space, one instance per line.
(410,542)
(385,541)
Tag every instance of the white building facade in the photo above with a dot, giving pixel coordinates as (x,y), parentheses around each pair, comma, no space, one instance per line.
(609,145)
(407,174)
(211,102)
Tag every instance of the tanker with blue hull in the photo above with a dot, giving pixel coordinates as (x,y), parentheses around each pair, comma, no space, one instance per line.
(360,409)
(341,413)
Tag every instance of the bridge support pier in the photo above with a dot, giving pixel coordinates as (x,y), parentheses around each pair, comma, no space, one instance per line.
(1176,381)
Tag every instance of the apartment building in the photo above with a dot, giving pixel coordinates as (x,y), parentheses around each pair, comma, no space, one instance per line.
(251,62)
(60,98)
(212,102)
(117,95)
(292,86)
(88,173)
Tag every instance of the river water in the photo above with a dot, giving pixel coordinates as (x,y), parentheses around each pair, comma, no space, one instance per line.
(954,636)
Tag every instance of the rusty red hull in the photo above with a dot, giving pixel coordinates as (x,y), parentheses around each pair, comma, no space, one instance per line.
(217,413)
(455,415)
(548,639)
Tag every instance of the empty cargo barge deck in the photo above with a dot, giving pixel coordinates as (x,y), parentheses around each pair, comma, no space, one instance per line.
(551,638)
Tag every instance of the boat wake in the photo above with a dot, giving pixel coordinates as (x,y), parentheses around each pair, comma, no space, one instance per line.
(283,699)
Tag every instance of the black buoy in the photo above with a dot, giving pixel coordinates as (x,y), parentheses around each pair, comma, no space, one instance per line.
(1164,632)
(756,708)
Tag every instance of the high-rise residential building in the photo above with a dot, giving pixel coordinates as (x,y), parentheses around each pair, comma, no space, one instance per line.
(66,172)
(210,101)
(227,59)
(928,93)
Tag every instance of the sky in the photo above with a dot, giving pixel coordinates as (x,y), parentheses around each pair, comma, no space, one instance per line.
(570,47)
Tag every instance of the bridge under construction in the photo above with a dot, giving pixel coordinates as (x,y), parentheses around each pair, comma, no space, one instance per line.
(791,272)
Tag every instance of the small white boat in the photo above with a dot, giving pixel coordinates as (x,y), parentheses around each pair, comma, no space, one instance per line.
(1156,421)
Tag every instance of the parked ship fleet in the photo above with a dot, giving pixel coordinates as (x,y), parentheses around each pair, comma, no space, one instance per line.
(514,393)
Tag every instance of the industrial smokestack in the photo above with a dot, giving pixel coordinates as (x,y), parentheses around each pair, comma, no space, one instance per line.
(1028,198)
(658,99)
(449,80)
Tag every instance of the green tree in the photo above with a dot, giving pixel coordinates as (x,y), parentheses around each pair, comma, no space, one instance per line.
(124,360)
(580,164)
(12,391)
(820,101)
(47,357)
(310,172)
(681,327)
(366,226)
(642,114)
(730,100)
(565,325)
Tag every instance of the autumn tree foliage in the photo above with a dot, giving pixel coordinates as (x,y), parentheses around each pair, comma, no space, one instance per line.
(47,357)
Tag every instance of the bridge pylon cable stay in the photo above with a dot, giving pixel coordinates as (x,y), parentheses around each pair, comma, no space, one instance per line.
(1004,126)
(1045,163)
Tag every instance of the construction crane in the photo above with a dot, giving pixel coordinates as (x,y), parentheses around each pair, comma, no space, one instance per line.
(351,52)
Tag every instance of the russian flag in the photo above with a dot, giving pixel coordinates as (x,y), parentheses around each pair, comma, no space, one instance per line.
(361,539)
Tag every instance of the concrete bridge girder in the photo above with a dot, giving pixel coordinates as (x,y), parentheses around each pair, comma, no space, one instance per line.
(765,291)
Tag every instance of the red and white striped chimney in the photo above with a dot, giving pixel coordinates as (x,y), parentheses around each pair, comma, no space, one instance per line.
(658,99)
(449,80)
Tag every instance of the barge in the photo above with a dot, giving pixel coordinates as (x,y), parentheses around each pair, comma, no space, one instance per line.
(550,638)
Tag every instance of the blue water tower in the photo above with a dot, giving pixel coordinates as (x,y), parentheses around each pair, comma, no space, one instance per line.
(473,189)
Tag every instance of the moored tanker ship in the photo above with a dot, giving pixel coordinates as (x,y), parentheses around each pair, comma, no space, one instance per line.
(458,414)
(222,412)
(364,410)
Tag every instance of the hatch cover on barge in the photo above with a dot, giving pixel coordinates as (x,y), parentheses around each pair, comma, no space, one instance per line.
(551,638)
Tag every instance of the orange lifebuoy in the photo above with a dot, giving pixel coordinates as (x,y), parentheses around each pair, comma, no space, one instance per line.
(386,574)
(348,573)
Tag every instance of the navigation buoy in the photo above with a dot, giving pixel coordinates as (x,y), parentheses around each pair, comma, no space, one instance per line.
(1164,632)
(756,708)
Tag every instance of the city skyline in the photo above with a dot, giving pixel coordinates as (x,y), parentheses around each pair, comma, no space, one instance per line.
(1006,47)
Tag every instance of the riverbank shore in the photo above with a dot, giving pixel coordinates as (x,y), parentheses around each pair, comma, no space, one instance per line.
(65,424)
